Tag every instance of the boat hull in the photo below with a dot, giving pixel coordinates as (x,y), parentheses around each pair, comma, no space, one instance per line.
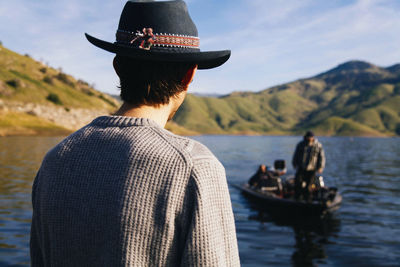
(287,207)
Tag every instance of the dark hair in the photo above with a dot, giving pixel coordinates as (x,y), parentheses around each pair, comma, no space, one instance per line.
(149,82)
(309,134)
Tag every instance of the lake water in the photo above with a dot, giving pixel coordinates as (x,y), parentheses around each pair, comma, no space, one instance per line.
(365,231)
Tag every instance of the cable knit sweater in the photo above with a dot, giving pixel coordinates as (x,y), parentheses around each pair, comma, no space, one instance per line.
(125,192)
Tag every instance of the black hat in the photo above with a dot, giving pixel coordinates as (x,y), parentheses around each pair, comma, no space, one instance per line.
(309,134)
(160,31)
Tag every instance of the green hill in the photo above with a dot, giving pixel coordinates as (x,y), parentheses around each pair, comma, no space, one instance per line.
(38,99)
(355,98)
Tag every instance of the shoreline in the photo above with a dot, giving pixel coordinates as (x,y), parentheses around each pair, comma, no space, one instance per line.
(66,132)
(21,119)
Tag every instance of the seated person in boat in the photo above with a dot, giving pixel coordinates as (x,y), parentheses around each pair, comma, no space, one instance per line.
(259,177)
(265,179)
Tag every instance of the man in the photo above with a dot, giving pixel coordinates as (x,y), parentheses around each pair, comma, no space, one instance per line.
(259,178)
(122,191)
(266,179)
(308,159)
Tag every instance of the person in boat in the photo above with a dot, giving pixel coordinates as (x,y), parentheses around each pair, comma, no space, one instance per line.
(260,177)
(123,191)
(308,159)
(266,179)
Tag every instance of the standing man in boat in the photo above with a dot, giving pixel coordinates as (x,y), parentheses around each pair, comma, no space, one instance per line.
(308,159)
(123,191)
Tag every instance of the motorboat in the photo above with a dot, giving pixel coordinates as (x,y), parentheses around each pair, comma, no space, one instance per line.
(279,197)
(287,204)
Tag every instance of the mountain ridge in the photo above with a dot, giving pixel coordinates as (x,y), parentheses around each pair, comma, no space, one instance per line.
(354,98)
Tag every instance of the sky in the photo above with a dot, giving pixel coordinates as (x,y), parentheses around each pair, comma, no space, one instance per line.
(272,41)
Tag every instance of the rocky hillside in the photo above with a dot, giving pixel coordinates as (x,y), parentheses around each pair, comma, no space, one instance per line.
(38,99)
(355,98)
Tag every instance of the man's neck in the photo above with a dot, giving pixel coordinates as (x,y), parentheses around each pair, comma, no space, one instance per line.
(158,114)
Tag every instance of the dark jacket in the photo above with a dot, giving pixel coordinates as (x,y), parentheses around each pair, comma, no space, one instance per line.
(309,158)
(258,178)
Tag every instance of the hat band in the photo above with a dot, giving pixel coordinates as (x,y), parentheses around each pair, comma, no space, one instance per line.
(146,39)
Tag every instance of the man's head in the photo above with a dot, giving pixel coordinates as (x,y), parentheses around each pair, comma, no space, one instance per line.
(309,137)
(175,36)
(157,52)
(153,83)
(262,168)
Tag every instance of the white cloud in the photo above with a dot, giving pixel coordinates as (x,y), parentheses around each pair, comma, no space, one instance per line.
(281,42)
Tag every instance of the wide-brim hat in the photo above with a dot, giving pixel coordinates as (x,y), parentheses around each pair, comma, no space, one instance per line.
(160,31)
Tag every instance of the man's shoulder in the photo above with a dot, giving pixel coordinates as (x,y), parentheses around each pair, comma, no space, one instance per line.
(158,140)
(194,149)
(206,168)
(317,143)
(301,143)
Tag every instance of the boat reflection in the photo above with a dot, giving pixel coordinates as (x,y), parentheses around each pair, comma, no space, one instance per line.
(311,234)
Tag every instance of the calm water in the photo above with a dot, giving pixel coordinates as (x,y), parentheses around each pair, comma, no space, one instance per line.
(365,231)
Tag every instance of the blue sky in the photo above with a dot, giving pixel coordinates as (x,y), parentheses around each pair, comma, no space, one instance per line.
(272,41)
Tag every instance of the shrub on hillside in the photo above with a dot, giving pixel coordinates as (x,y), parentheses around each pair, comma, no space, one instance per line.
(88,92)
(43,70)
(52,97)
(14,83)
(62,77)
(48,79)
(82,82)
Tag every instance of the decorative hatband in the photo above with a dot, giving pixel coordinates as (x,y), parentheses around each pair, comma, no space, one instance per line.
(145,39)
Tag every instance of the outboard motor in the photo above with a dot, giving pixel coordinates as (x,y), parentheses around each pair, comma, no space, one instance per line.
(280,166)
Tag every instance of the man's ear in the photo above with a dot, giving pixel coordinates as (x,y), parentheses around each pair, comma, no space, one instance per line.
(188,78)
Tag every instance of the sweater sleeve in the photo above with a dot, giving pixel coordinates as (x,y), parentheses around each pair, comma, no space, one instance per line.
(211,237)
(35,250)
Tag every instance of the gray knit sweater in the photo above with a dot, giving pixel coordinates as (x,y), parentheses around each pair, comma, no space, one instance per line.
(125,192)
